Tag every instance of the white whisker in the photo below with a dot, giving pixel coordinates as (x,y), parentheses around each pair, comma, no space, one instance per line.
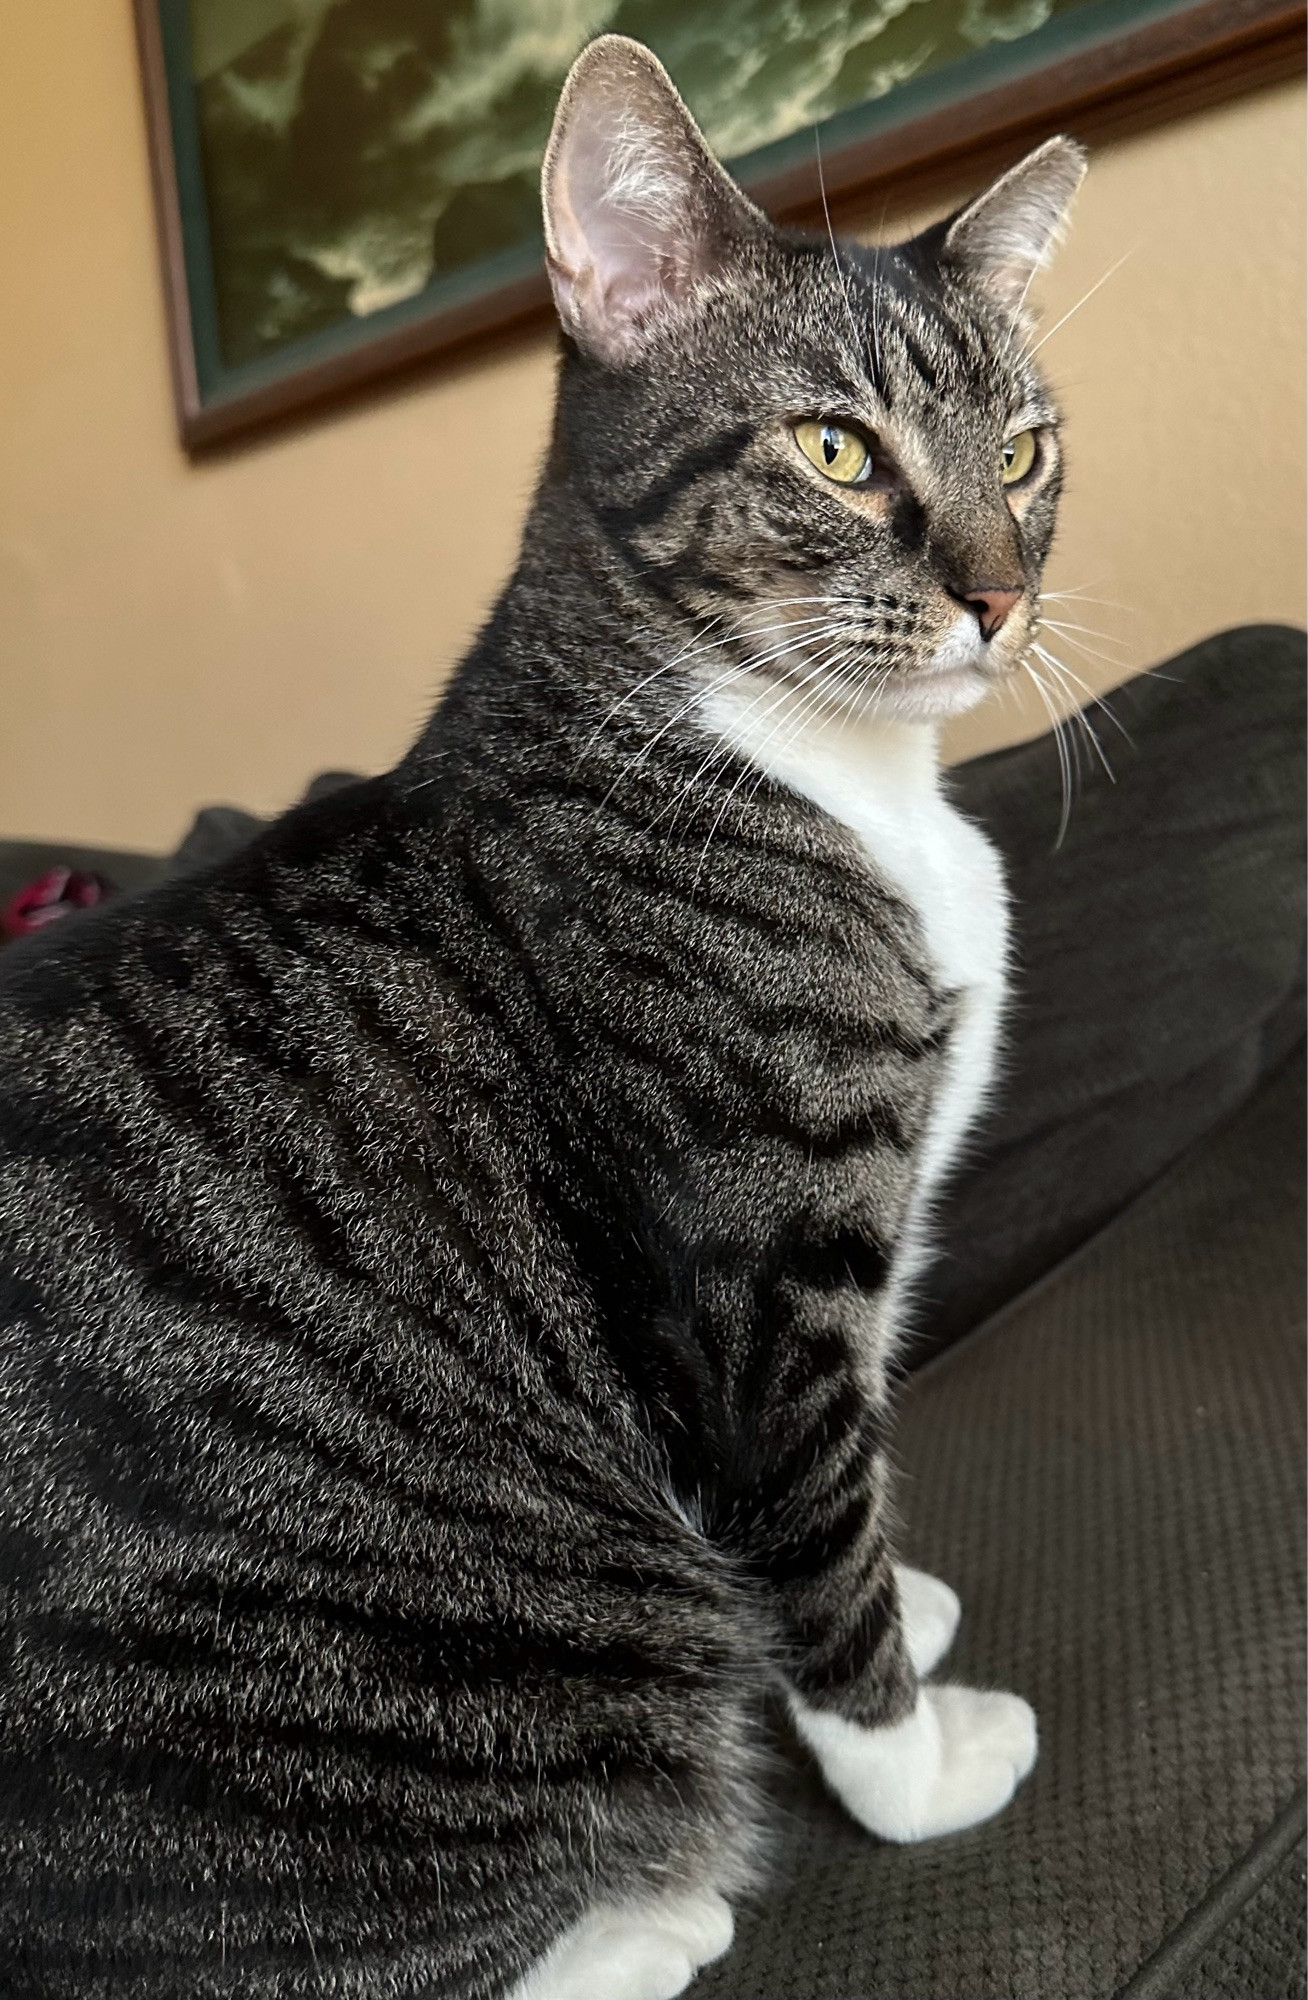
(1064,768)
(1091,631)
(742,672)
(806,637)
(1084,298)
(1067,674)
(1083,597)
(693,648)
(812,682)
(831,237)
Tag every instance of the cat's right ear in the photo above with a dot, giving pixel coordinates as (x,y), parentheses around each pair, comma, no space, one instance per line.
(1008,233)
(638,213)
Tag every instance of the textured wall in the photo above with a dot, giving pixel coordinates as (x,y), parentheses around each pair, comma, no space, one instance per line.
(171,634)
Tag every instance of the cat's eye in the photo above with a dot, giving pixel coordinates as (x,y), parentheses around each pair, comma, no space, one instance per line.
(1017,457)
(842,454)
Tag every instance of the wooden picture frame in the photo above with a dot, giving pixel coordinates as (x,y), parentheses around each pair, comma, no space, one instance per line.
(1088,68)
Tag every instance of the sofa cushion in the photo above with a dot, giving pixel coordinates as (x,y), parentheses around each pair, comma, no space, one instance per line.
(23,861)
(1159,960)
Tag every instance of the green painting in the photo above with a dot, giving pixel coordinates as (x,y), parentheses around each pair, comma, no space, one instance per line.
(357,150)
(346,168)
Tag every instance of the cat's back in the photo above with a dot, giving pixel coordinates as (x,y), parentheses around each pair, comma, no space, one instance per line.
(244,1013)
(277,1258)
(265,1099)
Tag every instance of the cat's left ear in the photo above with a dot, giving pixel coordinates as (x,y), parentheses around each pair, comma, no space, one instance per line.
(1008,233)
(638,213)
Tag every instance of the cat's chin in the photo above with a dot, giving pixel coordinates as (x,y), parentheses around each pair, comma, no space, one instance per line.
(962,671)
(934,693)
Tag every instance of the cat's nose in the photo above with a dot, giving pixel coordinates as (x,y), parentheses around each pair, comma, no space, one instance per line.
(992,607)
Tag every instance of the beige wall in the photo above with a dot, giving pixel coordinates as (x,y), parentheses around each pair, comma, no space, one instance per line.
(174,633)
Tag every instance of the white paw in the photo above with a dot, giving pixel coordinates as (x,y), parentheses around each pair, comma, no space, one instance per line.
(955,1761)
(929,1611)
(637,1951)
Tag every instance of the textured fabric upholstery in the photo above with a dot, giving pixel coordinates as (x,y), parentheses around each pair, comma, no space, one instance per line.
(1110,1472)
(1260,1954)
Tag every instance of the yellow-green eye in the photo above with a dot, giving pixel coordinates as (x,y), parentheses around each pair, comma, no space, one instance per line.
(841,454)
(1017,457)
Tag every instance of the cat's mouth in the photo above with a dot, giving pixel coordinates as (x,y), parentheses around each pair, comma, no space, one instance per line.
(964,649)
(802,652)
(961,671)
(966,654)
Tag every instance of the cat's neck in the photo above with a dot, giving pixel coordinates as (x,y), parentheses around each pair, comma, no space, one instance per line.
(824,752)
(578,645)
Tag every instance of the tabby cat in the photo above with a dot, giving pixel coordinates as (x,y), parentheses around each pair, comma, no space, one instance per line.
(452,1249)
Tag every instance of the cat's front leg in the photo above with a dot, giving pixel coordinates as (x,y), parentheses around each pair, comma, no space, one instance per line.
(908,1761)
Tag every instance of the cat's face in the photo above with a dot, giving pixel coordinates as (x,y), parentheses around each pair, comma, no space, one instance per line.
(845,468)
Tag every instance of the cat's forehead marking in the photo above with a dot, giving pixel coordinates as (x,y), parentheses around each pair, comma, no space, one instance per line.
(932,349)
(894,344)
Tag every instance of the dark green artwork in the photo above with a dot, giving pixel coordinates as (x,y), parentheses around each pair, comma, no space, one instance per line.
(355,150)
(344,167)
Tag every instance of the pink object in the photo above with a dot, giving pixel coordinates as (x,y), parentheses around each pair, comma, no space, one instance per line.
(50,897)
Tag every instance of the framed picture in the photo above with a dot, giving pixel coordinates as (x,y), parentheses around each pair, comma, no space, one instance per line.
(346,186)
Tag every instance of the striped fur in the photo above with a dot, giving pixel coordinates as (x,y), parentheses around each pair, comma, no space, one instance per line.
(443,1249)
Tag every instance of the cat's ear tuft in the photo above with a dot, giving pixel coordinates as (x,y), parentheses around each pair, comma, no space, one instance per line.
(1008,233)
(638,213)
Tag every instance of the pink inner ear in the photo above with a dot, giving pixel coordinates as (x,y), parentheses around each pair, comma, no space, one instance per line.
(624,217)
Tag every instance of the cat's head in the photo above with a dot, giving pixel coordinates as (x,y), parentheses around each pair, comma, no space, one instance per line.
(847,455)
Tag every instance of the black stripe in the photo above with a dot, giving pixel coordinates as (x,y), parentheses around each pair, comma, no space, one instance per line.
(835,1659)
(720,454)
(821,1546)
(846,1256)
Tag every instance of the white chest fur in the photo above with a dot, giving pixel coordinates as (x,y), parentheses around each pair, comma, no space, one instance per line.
(882,780)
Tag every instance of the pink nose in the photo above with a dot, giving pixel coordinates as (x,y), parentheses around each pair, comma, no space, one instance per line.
(991,608)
